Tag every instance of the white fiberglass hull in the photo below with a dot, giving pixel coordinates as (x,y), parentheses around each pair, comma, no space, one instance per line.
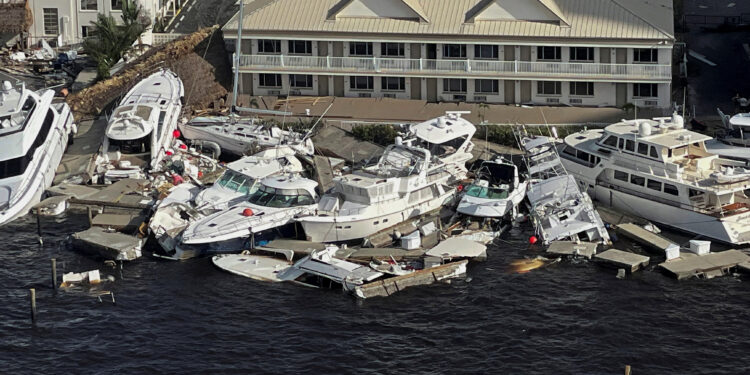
(729,229)
(353,227)
(40,173)
(491,208)
(227,144)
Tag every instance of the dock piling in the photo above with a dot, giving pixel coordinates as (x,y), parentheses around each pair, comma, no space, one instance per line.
(39,225)
(54,273)
(32,297)
(88,211)
(627,369)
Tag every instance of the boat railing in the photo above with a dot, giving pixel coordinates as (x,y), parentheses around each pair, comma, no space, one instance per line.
(713,211)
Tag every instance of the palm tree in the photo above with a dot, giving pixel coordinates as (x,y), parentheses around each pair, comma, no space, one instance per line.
(110,40)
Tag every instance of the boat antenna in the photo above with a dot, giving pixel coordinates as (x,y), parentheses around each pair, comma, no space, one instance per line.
(309,132)
(237,54)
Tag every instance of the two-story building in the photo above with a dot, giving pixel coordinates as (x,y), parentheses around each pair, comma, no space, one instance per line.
(69,21)
(576,52)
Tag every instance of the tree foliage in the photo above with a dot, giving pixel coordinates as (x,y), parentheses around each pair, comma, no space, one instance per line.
(379,134)
(110,40)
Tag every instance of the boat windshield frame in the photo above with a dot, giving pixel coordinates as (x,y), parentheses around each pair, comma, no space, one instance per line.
(488,192)
(267,196)
(237,182)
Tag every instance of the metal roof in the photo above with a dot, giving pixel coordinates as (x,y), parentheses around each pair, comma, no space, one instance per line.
(587,19)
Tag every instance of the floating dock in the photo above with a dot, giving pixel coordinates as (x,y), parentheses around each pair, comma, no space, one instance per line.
(387,287)
(630,262)
(705,266)
(108,245)
(572,248)
(644,237)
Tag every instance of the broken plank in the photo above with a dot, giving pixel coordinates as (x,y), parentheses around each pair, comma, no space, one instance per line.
(386,287)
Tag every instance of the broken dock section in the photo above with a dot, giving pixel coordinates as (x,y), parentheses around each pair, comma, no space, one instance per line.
(619,259)
(705,266)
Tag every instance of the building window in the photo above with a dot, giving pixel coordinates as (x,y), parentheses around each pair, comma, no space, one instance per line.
(581,53)
(392,49)
(269,46)
(645,90)
(269,80)
(582,88)
(454,85)
(454,51)
(116,5)
(486,86)
(301,81)
(360,49)
(393,83)
(360,83)
(300,47)
(645,55)
(622,176)
(548,88)
(86,31)
(88,5)
(548,53)
(653,185)
(485,51)
(51,26)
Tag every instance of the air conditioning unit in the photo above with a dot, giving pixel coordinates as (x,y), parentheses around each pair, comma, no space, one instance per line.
(295,92)
(651,102)
(480,98)
(389,96)
(274,92)
(365,95)
(553,100)
(459,98)
(576,101)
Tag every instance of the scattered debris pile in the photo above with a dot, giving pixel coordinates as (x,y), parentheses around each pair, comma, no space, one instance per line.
(178,55)
(15,17)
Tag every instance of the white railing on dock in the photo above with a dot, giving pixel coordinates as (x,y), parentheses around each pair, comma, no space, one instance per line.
(161,38)
(462,68)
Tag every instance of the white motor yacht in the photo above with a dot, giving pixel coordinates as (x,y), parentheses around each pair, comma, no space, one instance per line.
(495,193)
(241,135)
(559,210)
(34,133)
(658,170)
(276,203)
(142,128)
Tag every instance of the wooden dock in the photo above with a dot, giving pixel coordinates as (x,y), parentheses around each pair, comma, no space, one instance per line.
(571,248)
(387,287)
(630,262)
(108,245)
(705,266)
(649,239)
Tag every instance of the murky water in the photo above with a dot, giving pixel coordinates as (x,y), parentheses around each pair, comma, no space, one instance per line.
(190,317)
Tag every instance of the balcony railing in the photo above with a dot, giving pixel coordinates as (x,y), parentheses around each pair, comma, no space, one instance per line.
(460,68)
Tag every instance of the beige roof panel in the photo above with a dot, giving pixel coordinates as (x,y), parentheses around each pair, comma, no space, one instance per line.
(587,19)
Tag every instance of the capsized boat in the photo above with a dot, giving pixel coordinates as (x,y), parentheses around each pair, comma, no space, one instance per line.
(495,193)
(242,135)
(141,129)
(34,133)
(559,210)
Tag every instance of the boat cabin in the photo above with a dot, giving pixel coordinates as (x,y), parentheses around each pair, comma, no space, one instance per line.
(445,135)
(285,192)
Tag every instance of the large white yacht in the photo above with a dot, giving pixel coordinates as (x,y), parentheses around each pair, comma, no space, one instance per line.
(33,136)
(141,129)
(658,170)
(276,203)
(241,135)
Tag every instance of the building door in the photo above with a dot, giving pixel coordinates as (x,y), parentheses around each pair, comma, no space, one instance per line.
(432,52)
(323,86)
(605,55)
(525,54)
(622,94)
(510,91)
(338,86)
(322,48)
(525,91)
(621,56)
(432,89)
(415,50)
(510,53)
(416,88)
(338,49)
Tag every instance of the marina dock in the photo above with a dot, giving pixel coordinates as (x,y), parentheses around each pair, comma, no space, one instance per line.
(644,237)
(622,259)
(705,266)
(570,248)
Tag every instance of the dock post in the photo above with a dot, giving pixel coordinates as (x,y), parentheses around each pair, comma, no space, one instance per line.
(54,274)
(39,225)
(88,211)
(32,297)
(627,369)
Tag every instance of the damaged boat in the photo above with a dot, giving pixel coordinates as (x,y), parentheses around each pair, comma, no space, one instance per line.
(559,210)
(142,128)
(34,133)
(495,193)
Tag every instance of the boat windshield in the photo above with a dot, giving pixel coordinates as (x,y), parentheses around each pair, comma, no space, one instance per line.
(487,193)
(281,198)
(236,182)
(131,146)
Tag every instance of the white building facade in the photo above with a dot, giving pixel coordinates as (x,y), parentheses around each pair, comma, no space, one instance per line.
(568,52)
(69,21)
